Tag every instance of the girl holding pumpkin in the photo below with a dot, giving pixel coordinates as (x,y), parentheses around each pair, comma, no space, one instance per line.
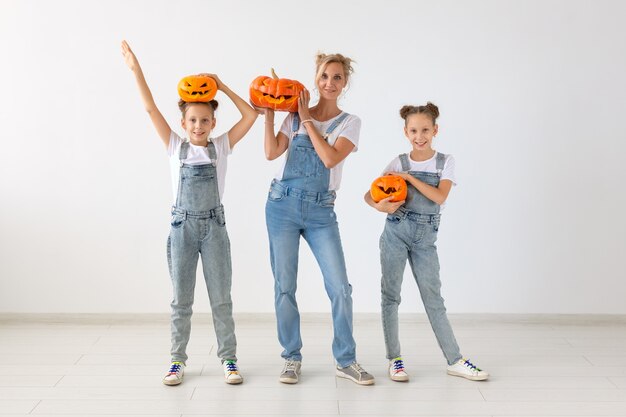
(198,225)
(300,203)
(411,232)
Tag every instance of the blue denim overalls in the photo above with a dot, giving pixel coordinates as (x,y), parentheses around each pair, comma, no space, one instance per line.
(198,227)
(301,205)
(411,232)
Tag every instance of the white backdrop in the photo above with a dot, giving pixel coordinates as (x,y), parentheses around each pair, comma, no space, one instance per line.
(532,95)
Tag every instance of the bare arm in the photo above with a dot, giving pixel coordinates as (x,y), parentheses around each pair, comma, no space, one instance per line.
(275,144)
(330,155)
(385,205)
(248,114)
(435,194)
(159,122)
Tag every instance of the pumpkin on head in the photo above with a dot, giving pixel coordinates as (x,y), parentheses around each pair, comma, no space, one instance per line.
(388,185)
(275,93)
(197,88)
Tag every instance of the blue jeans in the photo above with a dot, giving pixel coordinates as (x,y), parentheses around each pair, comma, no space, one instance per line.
(291,213)
(412,236)
(205,236)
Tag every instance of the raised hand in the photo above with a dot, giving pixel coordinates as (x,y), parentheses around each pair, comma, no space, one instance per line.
(129,56)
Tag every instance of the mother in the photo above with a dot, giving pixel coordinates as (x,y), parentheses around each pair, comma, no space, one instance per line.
(301,203)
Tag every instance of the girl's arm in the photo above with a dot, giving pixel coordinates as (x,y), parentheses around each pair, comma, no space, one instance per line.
(248,114)
(435,194)
(161,126)
(330,155)
(385,205)
(275,145)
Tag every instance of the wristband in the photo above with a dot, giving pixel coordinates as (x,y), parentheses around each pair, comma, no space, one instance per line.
(306,121)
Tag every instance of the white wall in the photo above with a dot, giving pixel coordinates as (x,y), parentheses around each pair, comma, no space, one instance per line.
(532,95)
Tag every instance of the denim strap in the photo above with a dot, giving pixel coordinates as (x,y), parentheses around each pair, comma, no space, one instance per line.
(184,150)
(404,160)
(441,162)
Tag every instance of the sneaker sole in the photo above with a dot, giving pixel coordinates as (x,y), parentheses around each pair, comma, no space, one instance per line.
(342,375)
(399,378)
(172,383)
(470,377)
(234,381)
(288,380)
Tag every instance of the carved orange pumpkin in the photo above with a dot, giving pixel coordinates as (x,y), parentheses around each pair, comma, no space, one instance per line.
(197,88)
(275,93)
(388,185)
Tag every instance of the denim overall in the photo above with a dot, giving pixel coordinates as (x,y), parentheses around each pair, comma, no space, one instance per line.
(411,232)
(301,205)
(198,227)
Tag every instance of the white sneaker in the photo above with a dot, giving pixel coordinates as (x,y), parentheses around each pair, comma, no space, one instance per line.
(396,370)
(291,372)
(231,372)
(175,375)
(465,369)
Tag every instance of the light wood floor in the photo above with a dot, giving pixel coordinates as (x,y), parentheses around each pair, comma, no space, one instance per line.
(91,365)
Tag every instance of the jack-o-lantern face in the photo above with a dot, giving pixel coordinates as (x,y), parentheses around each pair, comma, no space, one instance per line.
(275,93)
(388,185)
(197,88)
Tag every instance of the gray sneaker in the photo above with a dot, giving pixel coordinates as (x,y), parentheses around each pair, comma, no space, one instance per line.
(355,373)
(291,372)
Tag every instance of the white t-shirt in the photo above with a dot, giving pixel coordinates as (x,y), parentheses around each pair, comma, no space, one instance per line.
(429,165)
(199,155)
(349,128)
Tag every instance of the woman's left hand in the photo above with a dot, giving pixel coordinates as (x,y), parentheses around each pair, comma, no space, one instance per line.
(303,104)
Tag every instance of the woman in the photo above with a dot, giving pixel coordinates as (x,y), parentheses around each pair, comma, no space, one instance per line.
(301,203)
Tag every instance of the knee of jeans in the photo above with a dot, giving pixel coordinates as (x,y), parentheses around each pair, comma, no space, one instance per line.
(388,297)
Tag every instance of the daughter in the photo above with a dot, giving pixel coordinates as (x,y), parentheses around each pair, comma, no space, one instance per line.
(198,223)
(410,232)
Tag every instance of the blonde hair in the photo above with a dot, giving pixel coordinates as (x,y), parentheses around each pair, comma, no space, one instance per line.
(429,109)
(322,60)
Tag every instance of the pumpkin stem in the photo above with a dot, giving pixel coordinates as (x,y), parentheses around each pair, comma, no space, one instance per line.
(274,76)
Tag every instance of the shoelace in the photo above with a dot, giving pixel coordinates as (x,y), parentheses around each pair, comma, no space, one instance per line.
(290,366)
(231,367)
(472,367)
(174,368)
(398,365)
(358,368)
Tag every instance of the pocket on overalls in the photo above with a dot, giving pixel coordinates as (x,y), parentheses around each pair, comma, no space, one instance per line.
(328,201)
(306,163)
(394,219)
(275,194)
(220,217)
(178,218)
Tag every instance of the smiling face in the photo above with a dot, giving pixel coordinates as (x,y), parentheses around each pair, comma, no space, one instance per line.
(420,131)
(198,121)
(331,81)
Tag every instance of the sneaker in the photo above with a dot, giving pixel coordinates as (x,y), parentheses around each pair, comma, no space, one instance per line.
(231,372)
(465,369)
(396,370)
(356,374)
(291,372)
(175,375)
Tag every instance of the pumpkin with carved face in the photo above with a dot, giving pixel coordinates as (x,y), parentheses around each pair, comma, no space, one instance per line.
(388,185)
(275,93)
(197,88)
